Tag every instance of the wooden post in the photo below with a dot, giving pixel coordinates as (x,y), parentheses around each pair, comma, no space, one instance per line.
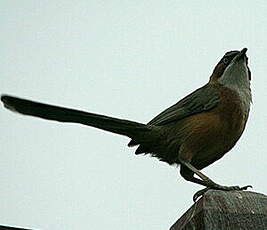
(226,210)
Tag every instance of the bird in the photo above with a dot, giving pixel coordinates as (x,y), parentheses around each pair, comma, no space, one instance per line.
(193,133)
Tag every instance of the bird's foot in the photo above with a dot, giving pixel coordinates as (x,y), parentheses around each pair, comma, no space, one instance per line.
(219,187)
(200,193)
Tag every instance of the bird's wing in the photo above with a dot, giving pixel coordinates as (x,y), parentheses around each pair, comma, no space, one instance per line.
(203,99)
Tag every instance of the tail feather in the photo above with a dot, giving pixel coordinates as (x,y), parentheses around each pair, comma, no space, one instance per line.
(119,126)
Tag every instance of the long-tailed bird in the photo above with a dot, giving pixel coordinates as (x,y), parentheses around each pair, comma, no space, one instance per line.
(193,133)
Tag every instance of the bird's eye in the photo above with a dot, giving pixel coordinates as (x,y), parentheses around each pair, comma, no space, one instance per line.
(225,60)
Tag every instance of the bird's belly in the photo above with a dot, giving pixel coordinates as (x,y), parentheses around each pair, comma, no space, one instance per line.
(208,137)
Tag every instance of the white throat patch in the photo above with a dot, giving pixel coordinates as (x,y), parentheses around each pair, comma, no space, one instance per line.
(236,77)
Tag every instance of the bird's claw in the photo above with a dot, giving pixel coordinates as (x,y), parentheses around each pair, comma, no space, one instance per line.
(246,187)
(200,193)
(223,188)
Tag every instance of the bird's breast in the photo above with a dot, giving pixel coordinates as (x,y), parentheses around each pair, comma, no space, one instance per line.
(207,136)
(233,110)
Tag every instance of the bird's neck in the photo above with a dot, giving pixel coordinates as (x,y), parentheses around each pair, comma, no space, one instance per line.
(237,79)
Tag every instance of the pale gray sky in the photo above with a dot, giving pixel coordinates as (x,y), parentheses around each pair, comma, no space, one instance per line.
(129,59)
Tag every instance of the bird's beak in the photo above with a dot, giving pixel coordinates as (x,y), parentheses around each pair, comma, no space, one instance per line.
(241,54)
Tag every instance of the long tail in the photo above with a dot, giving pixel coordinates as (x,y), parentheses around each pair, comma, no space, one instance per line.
(123,127)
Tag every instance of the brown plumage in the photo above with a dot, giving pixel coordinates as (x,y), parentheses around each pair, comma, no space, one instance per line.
(193,133)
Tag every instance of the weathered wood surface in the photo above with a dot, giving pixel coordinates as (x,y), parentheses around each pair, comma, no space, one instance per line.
(220,210)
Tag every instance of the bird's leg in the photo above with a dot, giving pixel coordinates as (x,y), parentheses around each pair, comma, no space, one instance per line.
(206,181)
(188,171)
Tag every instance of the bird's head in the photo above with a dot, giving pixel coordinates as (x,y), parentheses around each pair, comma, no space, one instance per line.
(232,69)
